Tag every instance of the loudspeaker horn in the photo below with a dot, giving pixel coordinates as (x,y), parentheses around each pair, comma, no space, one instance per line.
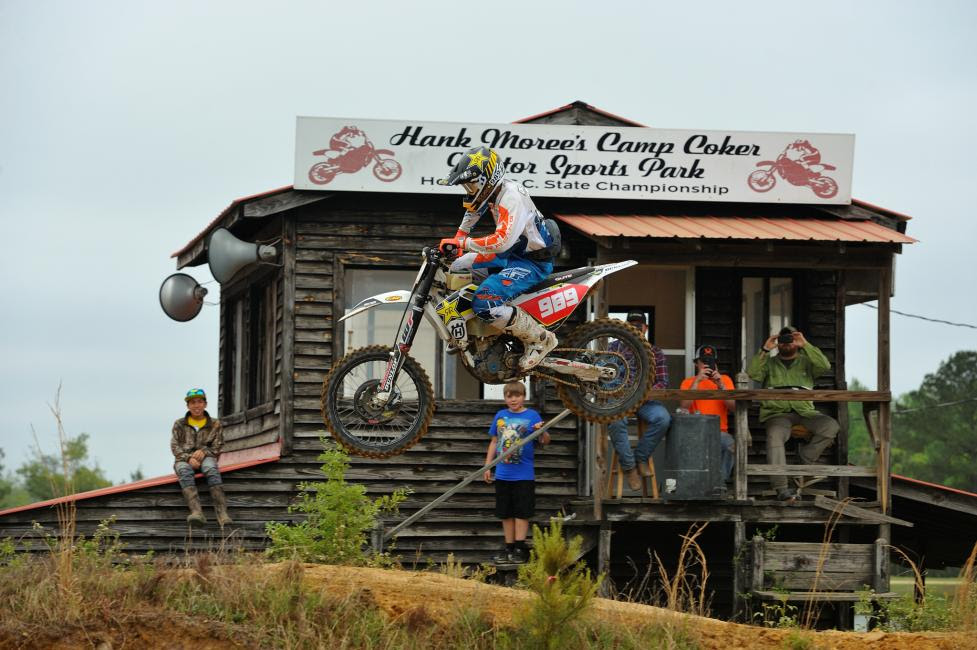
(226,254)
(181,297)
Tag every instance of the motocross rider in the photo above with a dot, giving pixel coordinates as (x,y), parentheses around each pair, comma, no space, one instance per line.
(517,256)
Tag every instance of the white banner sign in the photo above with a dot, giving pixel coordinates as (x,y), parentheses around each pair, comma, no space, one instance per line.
(609,162)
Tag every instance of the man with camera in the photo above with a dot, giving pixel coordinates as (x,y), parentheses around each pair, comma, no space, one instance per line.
(796,365)
(708,377)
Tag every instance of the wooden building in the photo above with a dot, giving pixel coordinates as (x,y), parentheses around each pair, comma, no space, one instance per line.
(723,273)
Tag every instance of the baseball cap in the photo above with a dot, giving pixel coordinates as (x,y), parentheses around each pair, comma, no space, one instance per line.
(636,316)
(194,393)
(705,352)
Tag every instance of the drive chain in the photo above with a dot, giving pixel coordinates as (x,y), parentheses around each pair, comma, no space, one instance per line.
(577,383)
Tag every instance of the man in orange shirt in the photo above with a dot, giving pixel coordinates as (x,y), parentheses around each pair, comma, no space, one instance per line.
(708,377)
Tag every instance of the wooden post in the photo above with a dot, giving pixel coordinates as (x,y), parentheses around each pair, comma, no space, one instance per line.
(841,449)
(604,561)
(885,408)
(881,579)
(376,537)
(739,570)
(597,441)
(756,563)
(287,422)
(742,437)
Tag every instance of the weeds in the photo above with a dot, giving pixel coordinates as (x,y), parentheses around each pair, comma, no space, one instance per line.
(338,517)
(455,569)
(965,599)
(685,592)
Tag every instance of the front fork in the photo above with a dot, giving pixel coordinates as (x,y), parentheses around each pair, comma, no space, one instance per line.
(417,305)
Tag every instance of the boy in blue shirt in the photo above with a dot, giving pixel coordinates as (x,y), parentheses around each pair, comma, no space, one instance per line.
(515,486)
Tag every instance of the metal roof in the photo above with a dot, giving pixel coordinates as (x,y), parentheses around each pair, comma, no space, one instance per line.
(229,461)
(714,227)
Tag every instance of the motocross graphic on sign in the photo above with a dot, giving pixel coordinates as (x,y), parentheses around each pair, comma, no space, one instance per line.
(799,164)
(611,161)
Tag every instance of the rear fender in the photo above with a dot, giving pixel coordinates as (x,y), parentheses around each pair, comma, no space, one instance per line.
(554,303)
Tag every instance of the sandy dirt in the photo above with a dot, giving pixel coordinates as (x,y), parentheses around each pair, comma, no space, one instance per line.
(441,597)
(437,597)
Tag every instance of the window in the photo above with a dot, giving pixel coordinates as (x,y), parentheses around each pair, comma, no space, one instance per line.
(767,306)
(378,326)
(666,297)
(249,348)
(262,349)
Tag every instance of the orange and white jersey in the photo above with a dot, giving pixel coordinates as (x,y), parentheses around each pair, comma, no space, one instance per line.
(518,224)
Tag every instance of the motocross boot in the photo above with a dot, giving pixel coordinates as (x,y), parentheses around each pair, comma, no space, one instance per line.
(537,340)
(196,516)
(220,505)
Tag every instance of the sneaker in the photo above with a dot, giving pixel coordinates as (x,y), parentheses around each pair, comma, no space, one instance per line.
(519,555)
(634,481)
(502,557)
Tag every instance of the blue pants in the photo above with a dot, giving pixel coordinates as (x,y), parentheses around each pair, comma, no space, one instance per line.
(208,467)
(727,453)
(656,419)
(508,278)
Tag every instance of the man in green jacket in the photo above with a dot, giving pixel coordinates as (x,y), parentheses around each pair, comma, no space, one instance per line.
(796,365)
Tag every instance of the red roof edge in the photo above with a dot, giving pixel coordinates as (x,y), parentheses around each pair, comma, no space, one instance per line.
(228,462)
(879,208)
(936,485)
(577,104)
(225,211)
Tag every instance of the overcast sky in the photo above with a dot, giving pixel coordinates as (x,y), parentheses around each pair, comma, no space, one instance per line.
(125,127)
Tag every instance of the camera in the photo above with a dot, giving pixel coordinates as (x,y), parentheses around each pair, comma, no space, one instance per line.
(785,337)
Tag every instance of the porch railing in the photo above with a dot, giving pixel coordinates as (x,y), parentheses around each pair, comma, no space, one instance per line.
(876,408)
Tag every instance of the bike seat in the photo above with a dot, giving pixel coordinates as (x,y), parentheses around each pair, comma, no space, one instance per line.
(560,277)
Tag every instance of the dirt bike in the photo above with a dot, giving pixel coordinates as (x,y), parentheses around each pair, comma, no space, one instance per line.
(763,180)
(377,401)
(385,169)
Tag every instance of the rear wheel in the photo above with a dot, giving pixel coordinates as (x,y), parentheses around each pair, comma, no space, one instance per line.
(368,424)
(607,342)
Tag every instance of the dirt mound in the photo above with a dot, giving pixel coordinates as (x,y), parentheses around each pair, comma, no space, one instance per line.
(402,593)
(412,597)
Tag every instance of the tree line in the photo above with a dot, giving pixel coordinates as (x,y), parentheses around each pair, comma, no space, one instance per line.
(47,476)
(934,427)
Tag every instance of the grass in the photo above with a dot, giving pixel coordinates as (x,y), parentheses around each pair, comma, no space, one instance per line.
(903,585)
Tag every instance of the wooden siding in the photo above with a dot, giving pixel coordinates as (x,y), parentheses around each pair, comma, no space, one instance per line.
(326,244)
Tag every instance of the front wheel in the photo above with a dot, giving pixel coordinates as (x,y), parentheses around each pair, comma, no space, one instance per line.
(609,343)
(761,180)
(387,170)
(367,423)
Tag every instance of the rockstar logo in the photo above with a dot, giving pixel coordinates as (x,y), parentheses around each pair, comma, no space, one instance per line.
(477,159)
(448,310)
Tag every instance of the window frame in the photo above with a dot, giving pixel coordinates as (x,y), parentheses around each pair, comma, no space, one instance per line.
(250,309)
(766,275)
(343,262)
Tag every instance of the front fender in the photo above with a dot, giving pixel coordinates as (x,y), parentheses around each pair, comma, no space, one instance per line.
(389,298)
